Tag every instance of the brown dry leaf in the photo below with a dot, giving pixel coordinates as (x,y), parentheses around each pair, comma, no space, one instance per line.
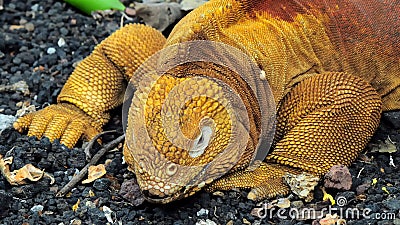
(20,86)
(20,176)
(25,110)
(332,220)
(95,172)
(302,185)
(385,147)
(159,15)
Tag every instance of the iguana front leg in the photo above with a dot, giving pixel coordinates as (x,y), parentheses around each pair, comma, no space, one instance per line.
(325,120)
(95,87)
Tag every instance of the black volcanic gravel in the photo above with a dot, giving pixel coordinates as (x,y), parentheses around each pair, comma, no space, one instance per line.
(25,56)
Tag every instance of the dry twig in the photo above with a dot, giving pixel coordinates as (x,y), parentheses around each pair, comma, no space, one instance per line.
(91,143)
(93,161)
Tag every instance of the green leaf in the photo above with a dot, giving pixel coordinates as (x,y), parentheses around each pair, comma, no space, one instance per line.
(87,6)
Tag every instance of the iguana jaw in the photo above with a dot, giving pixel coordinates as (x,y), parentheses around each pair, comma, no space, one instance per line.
(156,190)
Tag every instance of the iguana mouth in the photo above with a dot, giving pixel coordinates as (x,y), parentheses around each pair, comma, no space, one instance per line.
(158,199)
(155,194)
(156,190)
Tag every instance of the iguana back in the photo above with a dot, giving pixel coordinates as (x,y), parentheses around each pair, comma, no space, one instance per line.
(292,40)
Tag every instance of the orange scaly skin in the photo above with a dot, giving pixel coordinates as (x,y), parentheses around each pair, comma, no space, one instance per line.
(333,66)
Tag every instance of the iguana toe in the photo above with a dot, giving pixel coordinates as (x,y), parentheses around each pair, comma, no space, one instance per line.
(39,123)
(23,123)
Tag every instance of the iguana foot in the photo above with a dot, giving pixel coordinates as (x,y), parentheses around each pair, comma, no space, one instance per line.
(265,181)
(61,121)
(95,86)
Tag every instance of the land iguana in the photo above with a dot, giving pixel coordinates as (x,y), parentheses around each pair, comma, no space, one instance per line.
(332,66)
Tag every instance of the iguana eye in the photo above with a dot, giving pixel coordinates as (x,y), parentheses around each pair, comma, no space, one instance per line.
(171,169)
(201,142)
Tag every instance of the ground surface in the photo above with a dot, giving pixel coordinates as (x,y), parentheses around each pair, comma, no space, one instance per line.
(30,33)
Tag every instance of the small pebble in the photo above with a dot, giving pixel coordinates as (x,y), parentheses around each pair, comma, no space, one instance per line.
(64,31)
(75,222)
(205,222)
(6,121)
(101,184)
(392,204)
(362,188)
(90,204)
(17,60)
(35,7)
(338,177)
(131,192)
(297,204)
(51,51)
(202,212)
(30,27)
(108,214)
(61,42)
(23,21)
(37,208)
(96,215)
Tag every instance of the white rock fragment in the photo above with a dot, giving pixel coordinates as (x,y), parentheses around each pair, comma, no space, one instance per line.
(205,222)
(6,121)
(90,204)
(51,50)
(61,42)
(108,214)
(75,222)
(202,212)
(35,7)
(37,208)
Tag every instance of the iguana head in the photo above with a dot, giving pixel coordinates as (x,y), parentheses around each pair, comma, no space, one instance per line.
(178,129)
(189,125)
